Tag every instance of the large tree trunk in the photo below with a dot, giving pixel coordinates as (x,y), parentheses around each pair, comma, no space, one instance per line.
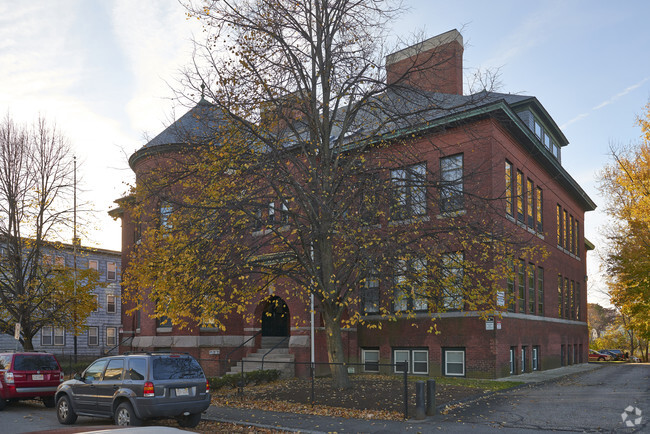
(27,343)
(340,378)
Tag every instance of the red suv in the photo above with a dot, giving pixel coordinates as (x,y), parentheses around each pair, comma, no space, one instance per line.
(29,376)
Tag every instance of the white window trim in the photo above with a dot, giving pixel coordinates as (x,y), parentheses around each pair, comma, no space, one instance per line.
(410,369)
(364,353)
(413,362)
(47,331)
(96,336)
(446,352)
(114,336)
(95,267)
(108,266)
(55,335)
(108,296)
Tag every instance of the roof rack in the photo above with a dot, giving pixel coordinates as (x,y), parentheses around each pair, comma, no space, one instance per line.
(153,353)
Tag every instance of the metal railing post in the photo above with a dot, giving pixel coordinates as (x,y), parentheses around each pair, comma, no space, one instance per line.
(431,397)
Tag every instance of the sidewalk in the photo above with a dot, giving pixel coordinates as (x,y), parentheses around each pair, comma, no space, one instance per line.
(306,423)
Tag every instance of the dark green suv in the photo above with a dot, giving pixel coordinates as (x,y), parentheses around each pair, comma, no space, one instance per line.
(133,387)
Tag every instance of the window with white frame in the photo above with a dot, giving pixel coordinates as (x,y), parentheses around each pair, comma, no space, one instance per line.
(111,305)
(111,336)
(454,363)
(512,359)
(370,360)
(451,183)
(523,359)
(409,191)
(535,358)
(452,280)
(111,270)
(93,264)
(59,336)
(59,261)
(165,214)
(46,335)
(93,336)
(417,360)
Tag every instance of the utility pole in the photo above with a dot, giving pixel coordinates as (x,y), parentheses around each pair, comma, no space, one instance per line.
(75,241)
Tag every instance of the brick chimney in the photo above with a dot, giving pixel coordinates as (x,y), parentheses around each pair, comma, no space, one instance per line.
(434,65)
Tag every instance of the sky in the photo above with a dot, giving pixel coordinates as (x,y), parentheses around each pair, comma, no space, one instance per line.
(104,72)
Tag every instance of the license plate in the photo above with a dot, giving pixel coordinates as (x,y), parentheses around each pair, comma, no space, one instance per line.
(37,377)
(182,392)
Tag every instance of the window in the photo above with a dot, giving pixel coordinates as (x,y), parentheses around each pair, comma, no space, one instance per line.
(520,196)
(410,285)
(93,336)
(513,368)
(531,288)
(111,336)
(559,225)
(523,358)
(46,336)
(567,298)
(451,183)
(577,231)
(537,128)
(165,214)
(47,260)
(284,214)
(530,220)
(560,296)
(577,303)
(522,286)
(271,217)
(538,210)
(572,300)
(572,241)
(111,271)
(452,280)
(111,306)
(258,220)
(535,358)
(59,336)
(454,362)
(114,370)
(540,291)
(370,360)
(93,264)
(370,291)
(509,192)
(417,360)
(137,369)
(97,306)
(565,234)
(94,372)
(512,268)
(409,191)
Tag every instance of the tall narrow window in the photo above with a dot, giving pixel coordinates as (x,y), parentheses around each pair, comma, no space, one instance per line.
(111,336)
(400,294)
(451,183)
(540,291)
(59,336)
(509,187)
(530,220)
(46,335)
(522,286)
(572,300)
(409,192)
(165,214)
(111,271)
(577,238)
(571,246)
(512,272)
(271,217)
(110,304)
(565,224)
(538,210)
(284,213)
(93,336)
(535,358)
(370,294)
(560,296)
(559,225)
(567,298)
(531,288)
(520,196)
(578,301)
(452,278)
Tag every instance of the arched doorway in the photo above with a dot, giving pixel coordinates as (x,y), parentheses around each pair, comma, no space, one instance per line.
(275,317)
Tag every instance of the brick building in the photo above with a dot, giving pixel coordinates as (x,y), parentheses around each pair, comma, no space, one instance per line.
(517,146)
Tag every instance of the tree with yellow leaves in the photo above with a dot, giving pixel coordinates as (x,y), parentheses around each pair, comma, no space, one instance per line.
(313,175)
(626,184)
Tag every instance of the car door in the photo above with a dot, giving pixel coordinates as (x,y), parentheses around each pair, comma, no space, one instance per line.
(109,384)
(85,390)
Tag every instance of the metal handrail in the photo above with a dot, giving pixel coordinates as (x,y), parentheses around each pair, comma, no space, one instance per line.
(242,345)
(274,347)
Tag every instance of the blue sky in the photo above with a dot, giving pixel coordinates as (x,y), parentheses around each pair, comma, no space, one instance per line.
(102,71)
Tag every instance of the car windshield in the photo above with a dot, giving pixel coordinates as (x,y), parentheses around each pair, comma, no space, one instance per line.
(169,368)
(35,362)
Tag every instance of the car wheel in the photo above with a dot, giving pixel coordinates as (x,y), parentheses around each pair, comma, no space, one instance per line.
(125,416)
(64,411)
(48,401)
(190,421)
(601,359)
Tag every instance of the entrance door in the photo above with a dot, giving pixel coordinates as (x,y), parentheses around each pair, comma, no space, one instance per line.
(275,318)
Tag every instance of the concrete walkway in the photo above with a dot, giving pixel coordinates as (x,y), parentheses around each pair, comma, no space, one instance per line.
(305,423)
